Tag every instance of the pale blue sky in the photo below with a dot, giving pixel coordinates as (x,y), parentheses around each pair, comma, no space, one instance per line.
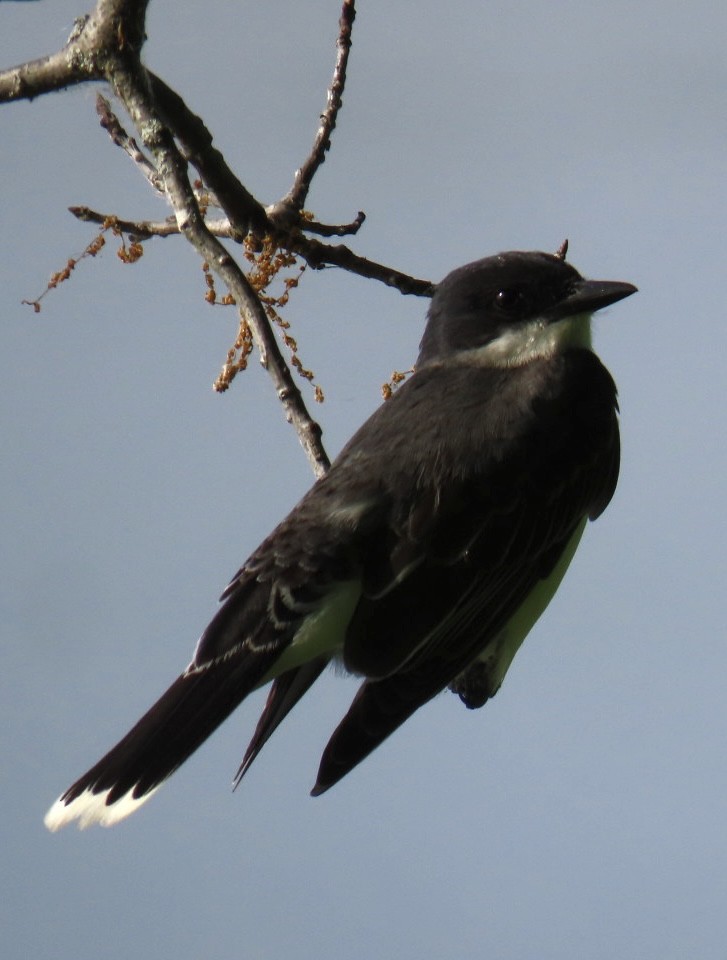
(581,814)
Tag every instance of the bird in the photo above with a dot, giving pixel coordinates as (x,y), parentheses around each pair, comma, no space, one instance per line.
(423,557)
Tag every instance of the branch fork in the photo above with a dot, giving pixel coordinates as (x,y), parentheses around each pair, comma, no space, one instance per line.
(106,45)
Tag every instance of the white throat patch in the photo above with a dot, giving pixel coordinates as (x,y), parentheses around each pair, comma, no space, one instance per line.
(535,340)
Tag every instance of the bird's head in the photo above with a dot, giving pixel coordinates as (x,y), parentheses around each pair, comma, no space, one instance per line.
(512,308)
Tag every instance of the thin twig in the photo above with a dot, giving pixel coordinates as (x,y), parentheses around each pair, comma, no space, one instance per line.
(298,193)
(130,86)
(317,255)
(107,44)
(145,229)
(335,229)
(245,212)
(112,125)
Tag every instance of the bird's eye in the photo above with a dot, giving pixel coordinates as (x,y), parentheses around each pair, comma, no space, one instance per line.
(509,298)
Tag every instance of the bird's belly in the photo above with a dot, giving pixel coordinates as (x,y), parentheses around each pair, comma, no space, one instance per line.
(498,656)
(322,631)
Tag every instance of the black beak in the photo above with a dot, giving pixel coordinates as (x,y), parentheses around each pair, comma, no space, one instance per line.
(589,296)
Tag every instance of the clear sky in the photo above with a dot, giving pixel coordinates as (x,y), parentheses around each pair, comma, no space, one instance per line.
(582,812)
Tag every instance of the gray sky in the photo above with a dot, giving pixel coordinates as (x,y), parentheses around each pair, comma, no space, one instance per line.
(582,812)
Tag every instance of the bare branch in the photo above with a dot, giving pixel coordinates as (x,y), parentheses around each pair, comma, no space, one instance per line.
(111,124)
(44,75)
(298,193)
(113,26)
(336,229)
(245,212)
(130,86)
(106,45)
(145,229)
(319,255)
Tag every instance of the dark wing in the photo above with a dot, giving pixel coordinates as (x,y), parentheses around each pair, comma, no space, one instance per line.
(487,540)
(299,570)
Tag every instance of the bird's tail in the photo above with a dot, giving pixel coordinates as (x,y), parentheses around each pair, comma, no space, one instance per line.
(285,692)
(379,707)
(178,723)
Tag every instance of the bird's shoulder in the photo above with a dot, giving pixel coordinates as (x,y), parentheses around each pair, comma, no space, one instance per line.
(458,423)
(452,447)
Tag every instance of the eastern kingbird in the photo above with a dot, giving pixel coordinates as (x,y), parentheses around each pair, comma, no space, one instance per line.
(421,560)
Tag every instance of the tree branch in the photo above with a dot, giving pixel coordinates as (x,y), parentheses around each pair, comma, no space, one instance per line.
(129,82)
(113,25)
(106,45)
(247,215)
(111,124)
(335,229)
(31,79)
(318,255)
(296,196)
